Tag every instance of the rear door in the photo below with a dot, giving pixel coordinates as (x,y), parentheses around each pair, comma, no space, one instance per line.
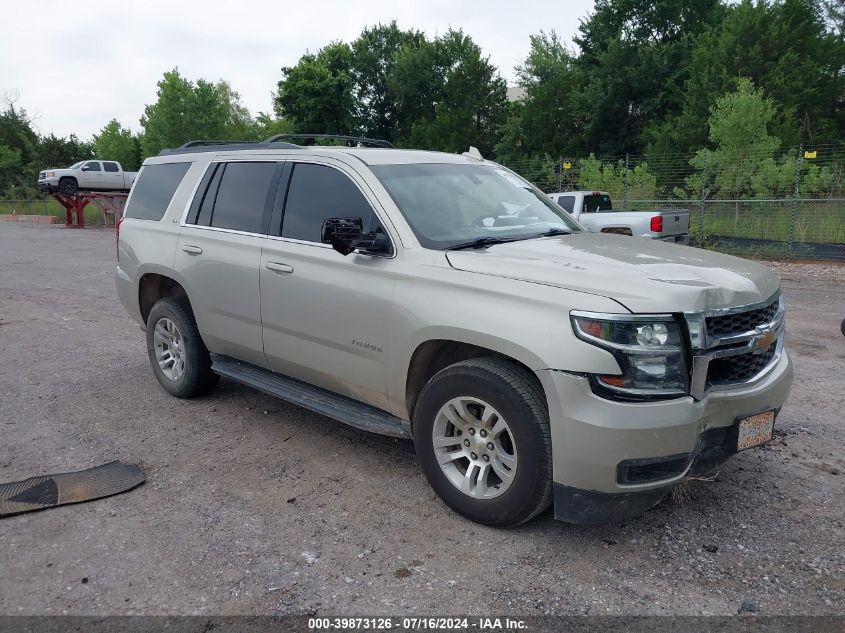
(219,254)
(326,316)
(112,176)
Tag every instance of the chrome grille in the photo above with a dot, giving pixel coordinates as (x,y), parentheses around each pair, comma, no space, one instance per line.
(741,321)
(734,346)
(739,368)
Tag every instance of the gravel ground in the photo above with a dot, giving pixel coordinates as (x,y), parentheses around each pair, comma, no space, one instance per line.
(256,506)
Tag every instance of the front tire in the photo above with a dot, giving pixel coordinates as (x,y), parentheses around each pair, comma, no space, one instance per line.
(481,430)
(68,186)
(178,356)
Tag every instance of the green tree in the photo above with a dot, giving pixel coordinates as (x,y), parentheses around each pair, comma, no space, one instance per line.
(16,131)
(115,142)
(11,169)
(54,151)
(743,161)
(266,125)
(18,147)
(608,176)
(415,84)
(634,62)
(186,111)
(545,121)
(470,98)
(785,47)
(316,95)
(374,57)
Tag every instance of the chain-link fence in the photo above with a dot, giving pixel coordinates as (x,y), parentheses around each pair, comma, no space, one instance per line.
(751,202)
(802,228)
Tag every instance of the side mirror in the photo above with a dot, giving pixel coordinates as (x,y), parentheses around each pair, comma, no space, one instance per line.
(347,234)
(86,168)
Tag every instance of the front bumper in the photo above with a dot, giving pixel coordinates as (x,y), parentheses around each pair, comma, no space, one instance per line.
(48,185)
(592,436)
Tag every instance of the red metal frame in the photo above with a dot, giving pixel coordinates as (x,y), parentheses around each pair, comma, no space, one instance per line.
(109,202)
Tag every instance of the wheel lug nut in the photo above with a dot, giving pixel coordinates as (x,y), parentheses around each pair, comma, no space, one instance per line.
(490,446)
(466,442)
(486,458)
(483,433)
(472,431)
(473,455)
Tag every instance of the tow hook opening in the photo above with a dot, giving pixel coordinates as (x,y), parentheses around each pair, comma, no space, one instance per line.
(650,469)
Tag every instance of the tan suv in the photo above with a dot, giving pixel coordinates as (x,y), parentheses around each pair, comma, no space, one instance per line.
(443,298)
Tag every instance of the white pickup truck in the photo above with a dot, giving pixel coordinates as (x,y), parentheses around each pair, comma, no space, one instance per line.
(594,210)
(87,175)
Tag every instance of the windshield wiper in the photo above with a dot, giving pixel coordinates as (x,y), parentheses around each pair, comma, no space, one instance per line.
(553,232)
(480,242)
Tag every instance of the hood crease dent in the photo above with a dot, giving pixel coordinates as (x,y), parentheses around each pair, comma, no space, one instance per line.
(645,276)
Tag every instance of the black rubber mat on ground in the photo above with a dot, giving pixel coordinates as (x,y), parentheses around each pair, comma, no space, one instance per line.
(37,493)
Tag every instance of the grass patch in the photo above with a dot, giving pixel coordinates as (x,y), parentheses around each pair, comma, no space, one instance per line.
(48,206)
(815,221)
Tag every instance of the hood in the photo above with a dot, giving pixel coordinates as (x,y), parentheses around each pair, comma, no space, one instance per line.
(643,275)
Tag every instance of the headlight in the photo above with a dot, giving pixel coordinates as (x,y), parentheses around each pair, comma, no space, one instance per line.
(649,350)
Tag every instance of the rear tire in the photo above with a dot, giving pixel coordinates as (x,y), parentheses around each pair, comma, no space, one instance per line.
(498,469)
(178,356)
(68,186)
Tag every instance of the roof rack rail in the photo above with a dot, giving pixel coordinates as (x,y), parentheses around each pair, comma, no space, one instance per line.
(193,147)
(201,142)
(374,142)
(274,142)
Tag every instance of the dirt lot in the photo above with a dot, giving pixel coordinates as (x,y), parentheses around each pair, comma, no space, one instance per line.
(255,506)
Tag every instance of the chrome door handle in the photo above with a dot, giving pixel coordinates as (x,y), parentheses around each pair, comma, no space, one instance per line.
(279,267)
(193,250)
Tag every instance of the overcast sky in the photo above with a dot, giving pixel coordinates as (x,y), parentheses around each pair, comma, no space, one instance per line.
(76,65)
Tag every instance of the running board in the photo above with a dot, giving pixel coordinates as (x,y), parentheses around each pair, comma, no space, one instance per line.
(361,416)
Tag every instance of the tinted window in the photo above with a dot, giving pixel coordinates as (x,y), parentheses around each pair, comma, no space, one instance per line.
(153,190)
(204,201)
(567,202)
(318,192)
(92,167)
(242,196)
(597,202)
(112,167)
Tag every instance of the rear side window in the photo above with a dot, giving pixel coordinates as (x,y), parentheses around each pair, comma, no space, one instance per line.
(112,167)
(567,202)
(241,199)
(236,196)
(317,192)
(154,189)
(597,202)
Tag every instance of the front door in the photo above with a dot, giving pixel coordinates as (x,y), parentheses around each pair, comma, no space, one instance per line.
(91,175)
(325,316)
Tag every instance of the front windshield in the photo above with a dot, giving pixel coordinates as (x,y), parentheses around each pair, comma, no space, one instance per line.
(449,204)
(75,165)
